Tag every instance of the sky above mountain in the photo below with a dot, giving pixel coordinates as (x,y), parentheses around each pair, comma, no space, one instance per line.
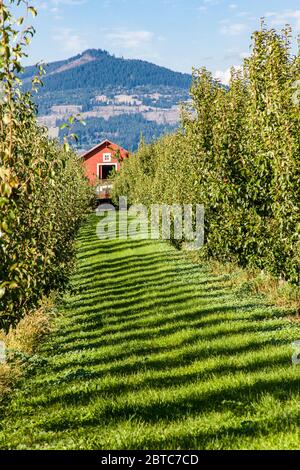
(179,34)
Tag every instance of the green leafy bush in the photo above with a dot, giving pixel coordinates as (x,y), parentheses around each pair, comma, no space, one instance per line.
(238,153)
(43,189)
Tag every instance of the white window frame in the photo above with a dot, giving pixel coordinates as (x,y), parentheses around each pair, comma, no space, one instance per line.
(107,157)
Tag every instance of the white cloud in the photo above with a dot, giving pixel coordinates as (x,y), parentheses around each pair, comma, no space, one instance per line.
(68,2)
(211,2)
(224,75)
(284,17)
(232,29)
(208,3)
(70,40)
(243,14)
(55,6)
(244,55)
(235,55)
(129,39)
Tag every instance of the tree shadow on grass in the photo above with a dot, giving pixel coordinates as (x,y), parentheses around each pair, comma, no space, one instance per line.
(122,301)
(172,356)
(228,437)
(107,391)
(128,323)
(181,405)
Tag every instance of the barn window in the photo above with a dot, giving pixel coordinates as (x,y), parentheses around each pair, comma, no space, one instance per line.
(107,157)
(106,171)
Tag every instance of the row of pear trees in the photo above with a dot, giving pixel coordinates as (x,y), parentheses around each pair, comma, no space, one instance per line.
(238,153)
(43,190)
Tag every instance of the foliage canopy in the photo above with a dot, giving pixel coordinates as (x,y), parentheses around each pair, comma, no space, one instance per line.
(238,153)
(43,189)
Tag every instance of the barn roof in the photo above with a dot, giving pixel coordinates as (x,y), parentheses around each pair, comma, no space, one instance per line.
(104,142)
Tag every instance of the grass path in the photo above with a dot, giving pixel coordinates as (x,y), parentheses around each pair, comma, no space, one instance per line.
(153,352)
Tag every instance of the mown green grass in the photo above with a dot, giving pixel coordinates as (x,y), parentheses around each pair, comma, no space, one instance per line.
(152,351)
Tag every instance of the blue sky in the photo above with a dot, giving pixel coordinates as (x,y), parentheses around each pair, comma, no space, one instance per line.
(179,34)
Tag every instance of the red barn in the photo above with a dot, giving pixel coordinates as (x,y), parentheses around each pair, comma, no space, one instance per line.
(100,162)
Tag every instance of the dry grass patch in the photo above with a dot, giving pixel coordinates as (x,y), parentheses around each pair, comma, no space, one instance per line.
(25,339)
(277,291)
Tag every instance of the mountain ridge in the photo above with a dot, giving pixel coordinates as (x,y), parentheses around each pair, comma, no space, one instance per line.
(103,69)
(102,87)
(100,55)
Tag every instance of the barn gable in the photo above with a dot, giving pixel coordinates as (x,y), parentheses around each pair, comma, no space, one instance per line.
(104,144)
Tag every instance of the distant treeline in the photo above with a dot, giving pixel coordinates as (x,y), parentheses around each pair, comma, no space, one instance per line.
(126,130)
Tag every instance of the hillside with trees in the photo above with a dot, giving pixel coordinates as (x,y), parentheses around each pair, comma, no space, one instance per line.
(117,129)
(125,93)
(98,69)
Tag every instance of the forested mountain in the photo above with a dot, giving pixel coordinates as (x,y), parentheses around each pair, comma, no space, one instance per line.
(99,69)
(124,97)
